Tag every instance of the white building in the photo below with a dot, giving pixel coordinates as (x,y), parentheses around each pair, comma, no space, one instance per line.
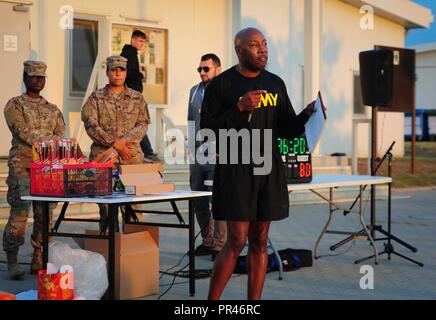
(312,44)
(426,76)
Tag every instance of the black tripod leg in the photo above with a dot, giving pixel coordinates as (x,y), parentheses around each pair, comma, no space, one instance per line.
(411,260)
(389,252)
(405,244)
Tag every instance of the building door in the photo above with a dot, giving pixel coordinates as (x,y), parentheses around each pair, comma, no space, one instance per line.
(87,52)
(14,50)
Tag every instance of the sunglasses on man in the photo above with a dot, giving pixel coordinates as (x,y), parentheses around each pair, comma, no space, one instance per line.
(206,69)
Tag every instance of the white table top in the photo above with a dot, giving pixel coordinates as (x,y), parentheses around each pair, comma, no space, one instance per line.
(321,181)
(318,182)
(340,180)
(119,197)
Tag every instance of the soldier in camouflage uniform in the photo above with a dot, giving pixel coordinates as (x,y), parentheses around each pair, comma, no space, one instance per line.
(31,119)
(116,116)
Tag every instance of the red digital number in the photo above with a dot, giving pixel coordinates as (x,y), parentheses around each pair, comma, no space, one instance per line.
(308,170)
(305,170)
(302,170)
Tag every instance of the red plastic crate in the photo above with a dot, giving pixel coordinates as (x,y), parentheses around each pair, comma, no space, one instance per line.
(70,180)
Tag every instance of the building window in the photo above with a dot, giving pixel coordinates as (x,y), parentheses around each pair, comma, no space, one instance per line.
(83,54)
(359,108)
(153,59)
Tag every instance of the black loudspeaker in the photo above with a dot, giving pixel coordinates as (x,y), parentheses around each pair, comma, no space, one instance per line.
(376,77)
(404,80)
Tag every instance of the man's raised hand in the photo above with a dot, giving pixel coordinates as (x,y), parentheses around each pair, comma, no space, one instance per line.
(250,100)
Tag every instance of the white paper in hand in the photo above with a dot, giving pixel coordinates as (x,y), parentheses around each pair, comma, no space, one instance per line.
(315,124)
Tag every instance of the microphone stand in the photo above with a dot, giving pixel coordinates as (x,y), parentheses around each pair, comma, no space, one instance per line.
(388,247)
(371,227)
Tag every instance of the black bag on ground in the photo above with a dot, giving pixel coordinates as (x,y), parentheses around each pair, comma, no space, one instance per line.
(292,259)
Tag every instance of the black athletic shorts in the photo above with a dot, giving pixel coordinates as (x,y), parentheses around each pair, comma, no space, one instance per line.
(238,195)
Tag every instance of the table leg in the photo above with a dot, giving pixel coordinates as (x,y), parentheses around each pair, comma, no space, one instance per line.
(112,217)
(362,221)
(45,231)
(326,225)
(191,249)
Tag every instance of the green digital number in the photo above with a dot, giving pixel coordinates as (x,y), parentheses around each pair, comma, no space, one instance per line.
(303,146)
(280,145)
(285,146)
(296,145)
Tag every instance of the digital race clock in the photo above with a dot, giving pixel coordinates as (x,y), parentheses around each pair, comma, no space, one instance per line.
(297,159)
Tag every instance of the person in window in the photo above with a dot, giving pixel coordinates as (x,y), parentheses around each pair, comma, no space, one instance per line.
(135,76)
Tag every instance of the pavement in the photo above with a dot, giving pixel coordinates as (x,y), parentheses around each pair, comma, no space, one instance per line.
(334,276)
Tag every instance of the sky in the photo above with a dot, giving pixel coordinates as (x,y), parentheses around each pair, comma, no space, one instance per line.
(420,36)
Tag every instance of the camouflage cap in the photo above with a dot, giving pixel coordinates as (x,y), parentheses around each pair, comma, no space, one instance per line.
(116,61)
(35,68)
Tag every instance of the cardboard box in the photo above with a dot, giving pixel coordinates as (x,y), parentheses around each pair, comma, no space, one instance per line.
(153,231)
(141,179)
(141,168)
(137,263)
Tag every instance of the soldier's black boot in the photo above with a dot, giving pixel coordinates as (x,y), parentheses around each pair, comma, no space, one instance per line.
(14,269)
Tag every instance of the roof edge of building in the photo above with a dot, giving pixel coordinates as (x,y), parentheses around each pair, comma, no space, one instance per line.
(425,47)
(407,13)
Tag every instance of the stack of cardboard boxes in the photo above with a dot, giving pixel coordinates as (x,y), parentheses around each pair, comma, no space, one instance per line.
(141,179)
(137,248)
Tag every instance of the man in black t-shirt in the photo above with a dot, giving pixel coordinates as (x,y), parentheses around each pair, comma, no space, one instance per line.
(135,76)
(135,73)
(247,97)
